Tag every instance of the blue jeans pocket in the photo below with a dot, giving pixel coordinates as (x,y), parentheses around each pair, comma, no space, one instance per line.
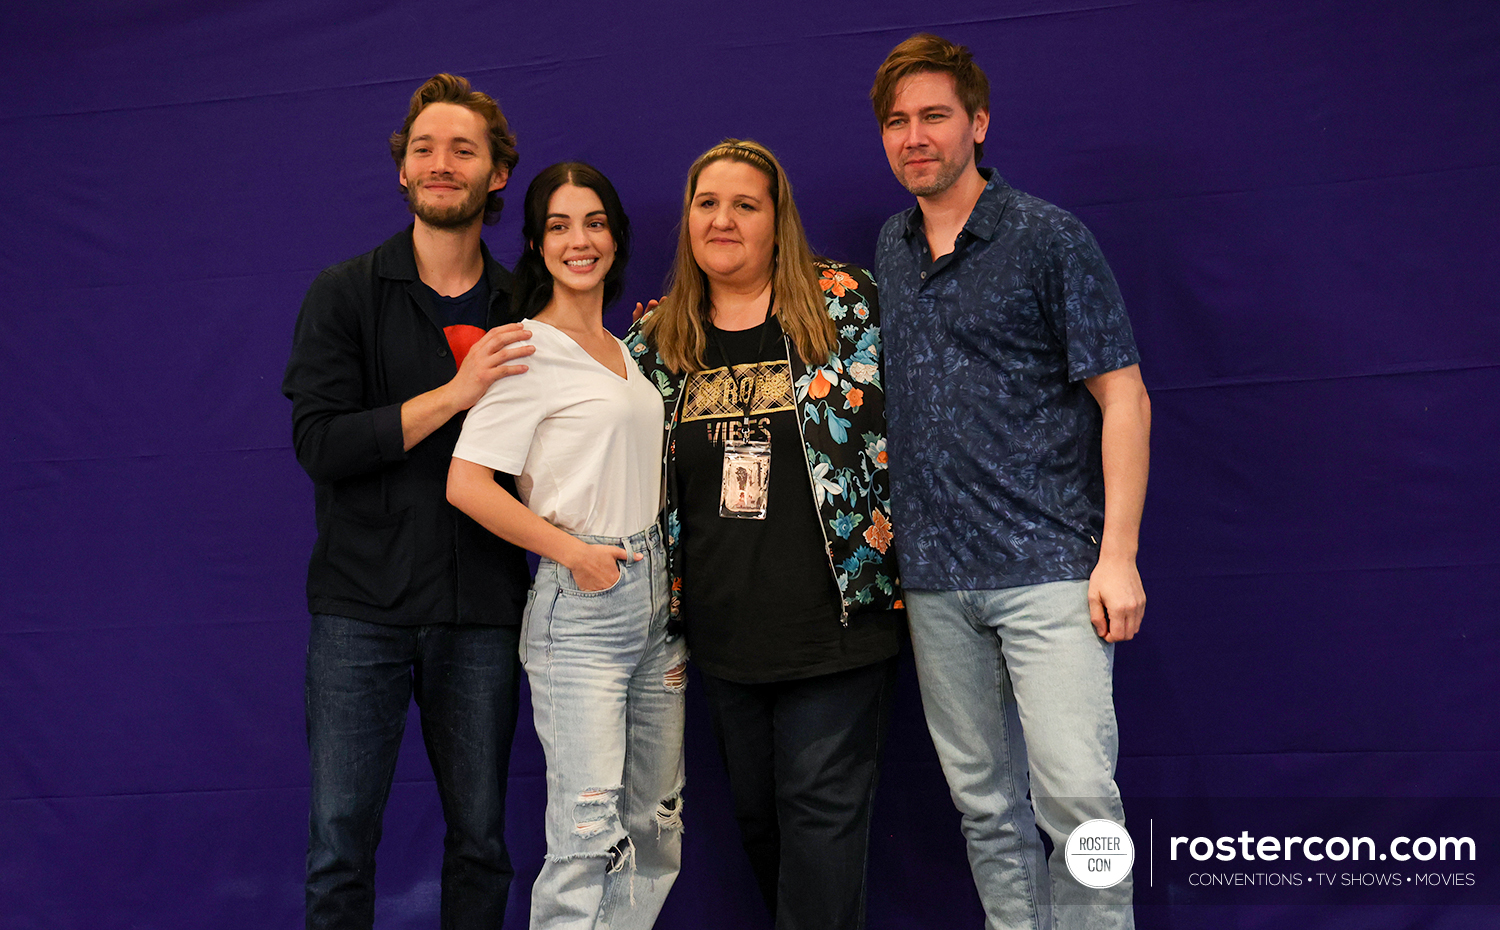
(567,585)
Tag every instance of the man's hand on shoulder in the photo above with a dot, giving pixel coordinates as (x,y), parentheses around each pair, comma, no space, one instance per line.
(642,310)
(1117,600)
(488,361)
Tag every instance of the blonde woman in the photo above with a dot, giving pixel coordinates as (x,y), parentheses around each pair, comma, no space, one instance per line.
(778,523)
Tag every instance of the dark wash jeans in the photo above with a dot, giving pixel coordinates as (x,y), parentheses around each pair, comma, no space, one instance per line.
(803,760)
(361,677)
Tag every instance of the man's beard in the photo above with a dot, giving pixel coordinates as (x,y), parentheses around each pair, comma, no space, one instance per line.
(947,173)
(457,216)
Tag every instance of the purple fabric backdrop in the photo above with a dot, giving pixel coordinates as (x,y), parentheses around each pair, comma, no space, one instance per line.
(1298,200)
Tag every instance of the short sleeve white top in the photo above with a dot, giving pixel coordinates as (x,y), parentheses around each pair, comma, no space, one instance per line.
(584,444)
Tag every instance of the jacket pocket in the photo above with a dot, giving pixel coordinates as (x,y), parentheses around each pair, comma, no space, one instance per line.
(369,556)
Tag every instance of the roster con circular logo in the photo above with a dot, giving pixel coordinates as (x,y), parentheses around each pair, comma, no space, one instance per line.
(1100,853)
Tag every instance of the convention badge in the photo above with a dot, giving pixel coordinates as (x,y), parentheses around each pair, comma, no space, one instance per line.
(747,480)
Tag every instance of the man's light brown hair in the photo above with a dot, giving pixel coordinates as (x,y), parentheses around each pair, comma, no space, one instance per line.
(927,53)
(450,88)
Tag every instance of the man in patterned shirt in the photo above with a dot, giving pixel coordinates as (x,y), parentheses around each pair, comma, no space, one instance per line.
(1018,444)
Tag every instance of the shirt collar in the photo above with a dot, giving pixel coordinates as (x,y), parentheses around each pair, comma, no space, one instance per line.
(396,259)
(985,216)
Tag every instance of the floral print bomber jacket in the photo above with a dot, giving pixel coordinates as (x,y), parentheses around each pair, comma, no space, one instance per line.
(841,415)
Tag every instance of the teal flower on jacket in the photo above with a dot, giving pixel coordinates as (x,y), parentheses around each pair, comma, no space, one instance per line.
(846,523)
(838,427)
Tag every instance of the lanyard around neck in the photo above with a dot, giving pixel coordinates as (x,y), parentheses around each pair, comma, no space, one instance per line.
(760,350)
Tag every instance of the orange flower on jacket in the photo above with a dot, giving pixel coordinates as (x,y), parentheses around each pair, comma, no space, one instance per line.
(819,387)
(879,533)
(854,397)
(838,281)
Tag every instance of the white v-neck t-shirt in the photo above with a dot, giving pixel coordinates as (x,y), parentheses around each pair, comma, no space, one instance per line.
(584,444)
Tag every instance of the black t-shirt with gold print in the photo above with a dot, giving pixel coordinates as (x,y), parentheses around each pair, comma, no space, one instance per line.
(758,595)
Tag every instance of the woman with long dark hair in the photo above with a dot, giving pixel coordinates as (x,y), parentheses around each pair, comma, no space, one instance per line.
(582,433)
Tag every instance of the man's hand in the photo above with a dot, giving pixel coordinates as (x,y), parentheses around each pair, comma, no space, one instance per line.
(597,567)
(488,361)
(1117,600)
(641,311)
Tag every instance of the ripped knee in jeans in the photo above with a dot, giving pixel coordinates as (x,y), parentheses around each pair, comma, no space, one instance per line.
(669,813)
(595,811)
(674,680)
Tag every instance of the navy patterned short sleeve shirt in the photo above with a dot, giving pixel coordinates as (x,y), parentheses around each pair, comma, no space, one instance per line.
(995,469)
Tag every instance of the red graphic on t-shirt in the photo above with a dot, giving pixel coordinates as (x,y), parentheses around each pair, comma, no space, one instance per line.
(461,338)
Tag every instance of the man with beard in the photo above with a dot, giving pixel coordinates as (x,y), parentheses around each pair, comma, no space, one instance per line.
(1019,431)
(409,597)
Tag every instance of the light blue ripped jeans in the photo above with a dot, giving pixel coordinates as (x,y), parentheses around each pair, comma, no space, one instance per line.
(607,690)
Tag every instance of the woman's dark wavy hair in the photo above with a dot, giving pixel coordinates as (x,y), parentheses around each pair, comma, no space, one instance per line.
(533,280)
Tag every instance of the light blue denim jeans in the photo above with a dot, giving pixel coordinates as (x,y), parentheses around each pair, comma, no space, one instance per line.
(607,688)
(1012,676)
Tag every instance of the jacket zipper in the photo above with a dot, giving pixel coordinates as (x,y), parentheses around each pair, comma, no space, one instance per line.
(666,449)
